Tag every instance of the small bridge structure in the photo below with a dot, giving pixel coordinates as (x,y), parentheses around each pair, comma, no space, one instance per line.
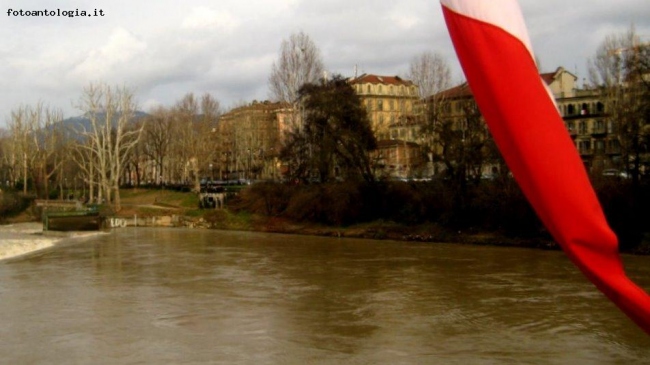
(69,215)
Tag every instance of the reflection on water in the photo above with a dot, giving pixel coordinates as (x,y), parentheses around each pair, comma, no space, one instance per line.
(210,297)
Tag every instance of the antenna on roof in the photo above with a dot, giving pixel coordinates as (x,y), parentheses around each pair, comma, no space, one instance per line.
(355,70)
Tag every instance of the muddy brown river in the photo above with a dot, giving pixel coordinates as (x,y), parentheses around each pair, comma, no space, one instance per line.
(179,296)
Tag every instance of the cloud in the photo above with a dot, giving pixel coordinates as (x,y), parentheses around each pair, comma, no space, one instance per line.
(405,21)
(120,52)
(205,18)
(166,49)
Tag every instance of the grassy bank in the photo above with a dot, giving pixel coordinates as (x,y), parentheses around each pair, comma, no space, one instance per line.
(378,230)
(145,203)
(401,211)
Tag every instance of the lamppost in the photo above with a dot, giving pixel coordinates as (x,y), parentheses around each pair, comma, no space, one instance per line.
(211,175)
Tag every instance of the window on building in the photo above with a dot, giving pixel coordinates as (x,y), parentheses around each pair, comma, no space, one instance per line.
(571,110)
(571,126)
(582,127)
(380,104)
(369,89)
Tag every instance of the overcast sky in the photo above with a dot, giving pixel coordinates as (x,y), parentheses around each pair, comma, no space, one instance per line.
(166,48)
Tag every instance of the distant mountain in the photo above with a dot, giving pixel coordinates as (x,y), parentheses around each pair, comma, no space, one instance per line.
(83,121)
(80,123)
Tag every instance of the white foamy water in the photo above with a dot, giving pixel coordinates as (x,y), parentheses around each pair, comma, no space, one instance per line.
(25,238)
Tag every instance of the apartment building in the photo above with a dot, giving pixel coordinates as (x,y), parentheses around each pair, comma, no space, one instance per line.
(582,110)
(595,134)
(391,103)
(389,100)
(250,140)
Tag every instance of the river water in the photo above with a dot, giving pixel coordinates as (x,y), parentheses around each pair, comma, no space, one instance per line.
(178,296)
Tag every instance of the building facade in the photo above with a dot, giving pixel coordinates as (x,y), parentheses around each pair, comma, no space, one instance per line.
(391,103)
(388,100)
(398,159)
(249,141)
(583,111)
(585,116)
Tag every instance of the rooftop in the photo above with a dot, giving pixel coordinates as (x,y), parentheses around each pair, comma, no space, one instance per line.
(377,79)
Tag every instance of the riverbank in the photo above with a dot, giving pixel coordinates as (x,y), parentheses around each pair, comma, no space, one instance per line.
(377,230)
(225,220)
(162,208)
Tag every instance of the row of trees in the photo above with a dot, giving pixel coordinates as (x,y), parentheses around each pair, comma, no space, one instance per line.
(178,142)
(110,145)
(39,150)
(328,135)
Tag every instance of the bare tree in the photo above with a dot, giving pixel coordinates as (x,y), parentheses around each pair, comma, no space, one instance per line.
(86,161)
(431,72)
(299,63)
(208,137)
(38,146)
(111,136)
(49,146)
(6,151)
(196,121)
(22,152)
(614,70)
(158,137)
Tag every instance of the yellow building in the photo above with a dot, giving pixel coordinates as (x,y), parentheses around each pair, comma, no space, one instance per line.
(388,99)
(250,140)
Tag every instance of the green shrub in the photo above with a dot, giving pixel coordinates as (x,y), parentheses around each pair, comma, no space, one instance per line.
(494,205)
(12,203)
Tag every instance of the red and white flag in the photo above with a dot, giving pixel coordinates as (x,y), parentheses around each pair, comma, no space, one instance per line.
(495,53)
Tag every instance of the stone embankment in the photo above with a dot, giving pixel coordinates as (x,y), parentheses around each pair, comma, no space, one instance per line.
(156,221)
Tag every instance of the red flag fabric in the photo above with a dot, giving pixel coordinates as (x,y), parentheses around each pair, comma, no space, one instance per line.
(492,45)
